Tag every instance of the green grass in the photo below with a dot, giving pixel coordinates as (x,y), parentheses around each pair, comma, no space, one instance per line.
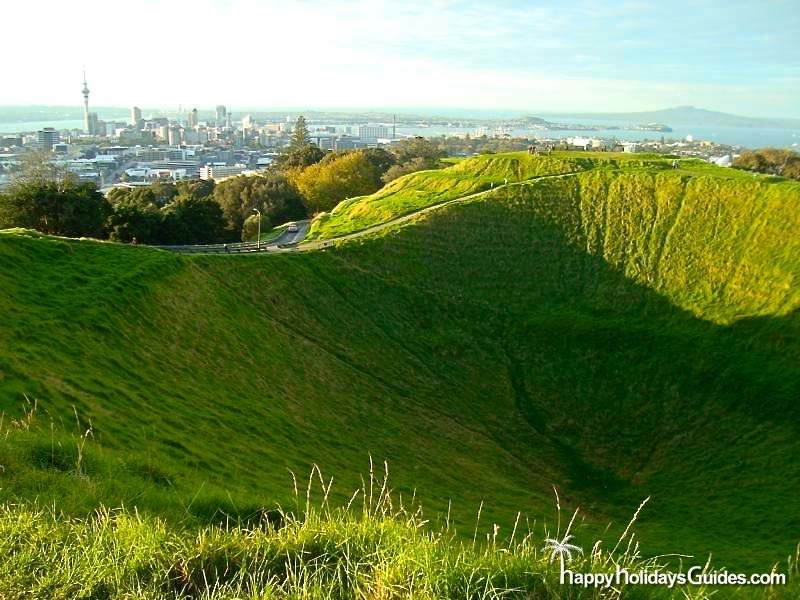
(272,234)
(427,188)
(375,547)
(629,331)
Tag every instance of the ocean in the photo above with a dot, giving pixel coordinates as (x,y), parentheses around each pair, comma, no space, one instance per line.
(748,137)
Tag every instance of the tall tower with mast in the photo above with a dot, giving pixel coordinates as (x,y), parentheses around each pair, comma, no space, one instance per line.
(85,91)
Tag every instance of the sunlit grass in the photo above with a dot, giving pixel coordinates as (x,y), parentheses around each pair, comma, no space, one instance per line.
(625,332)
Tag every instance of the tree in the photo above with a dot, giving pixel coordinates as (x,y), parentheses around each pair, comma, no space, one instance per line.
(324,185)
(785,163)
(273,194)
(751,161)
(159,193)
(134,218)
(67,207)
(381,159)
(417,147)
(792,168)
(250,227)
(163,192)
(299,133)
(191,220)
(301,157)
(50,199)
(411,166)
(300,153)
(200,188)
(36,166)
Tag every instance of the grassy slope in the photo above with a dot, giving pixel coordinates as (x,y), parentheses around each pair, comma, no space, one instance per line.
(658,399)
(425,188)
(558,306)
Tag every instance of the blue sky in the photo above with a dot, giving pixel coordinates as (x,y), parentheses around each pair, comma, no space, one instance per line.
(734,56)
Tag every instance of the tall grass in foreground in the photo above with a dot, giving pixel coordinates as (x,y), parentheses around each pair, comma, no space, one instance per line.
(376,546)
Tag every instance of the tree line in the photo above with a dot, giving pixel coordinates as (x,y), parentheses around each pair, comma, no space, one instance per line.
(783,163)
(304,181)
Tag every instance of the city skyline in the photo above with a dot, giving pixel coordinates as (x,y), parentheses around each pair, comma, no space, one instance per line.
(587,57)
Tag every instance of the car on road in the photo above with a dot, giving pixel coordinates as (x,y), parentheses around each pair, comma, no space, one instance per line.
(292,228)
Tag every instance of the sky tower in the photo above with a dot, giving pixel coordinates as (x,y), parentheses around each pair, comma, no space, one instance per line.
(85,92)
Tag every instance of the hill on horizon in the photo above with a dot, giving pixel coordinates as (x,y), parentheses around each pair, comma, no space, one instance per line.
(689,115)
(603,324)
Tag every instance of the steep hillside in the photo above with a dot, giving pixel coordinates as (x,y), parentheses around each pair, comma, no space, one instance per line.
(475,175)
(425,188)
(628,331)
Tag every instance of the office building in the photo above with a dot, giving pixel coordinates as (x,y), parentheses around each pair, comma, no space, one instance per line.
(174,138)
(48,137)
(136,117)
(221,114)
(218,172)
(371,133)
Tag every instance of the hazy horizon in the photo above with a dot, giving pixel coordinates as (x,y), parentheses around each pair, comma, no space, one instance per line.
(597,57)
(412,111)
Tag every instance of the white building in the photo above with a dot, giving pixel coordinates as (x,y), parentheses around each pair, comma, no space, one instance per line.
(371,133)
(217,172)
(721,161)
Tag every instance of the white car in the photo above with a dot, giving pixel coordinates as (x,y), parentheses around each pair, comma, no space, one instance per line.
(292,228)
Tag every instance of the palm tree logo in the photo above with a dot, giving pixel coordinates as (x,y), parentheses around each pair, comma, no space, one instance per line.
(562,550)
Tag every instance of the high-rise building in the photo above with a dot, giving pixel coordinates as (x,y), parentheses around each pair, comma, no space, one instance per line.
(221,114)
(48,137)
(136,117)
(92,123)
(85,92)
(174,136)
(372,133)
(162,131)
(191,118)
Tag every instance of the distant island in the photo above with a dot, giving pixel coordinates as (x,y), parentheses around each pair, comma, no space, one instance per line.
(690,116)
(545,125)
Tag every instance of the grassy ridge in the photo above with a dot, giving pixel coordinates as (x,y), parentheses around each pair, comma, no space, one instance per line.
(426,188)
(576,331)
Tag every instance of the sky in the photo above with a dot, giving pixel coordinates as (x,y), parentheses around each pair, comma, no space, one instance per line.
(542,57)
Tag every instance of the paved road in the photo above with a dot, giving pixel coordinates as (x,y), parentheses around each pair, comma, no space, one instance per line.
(287,239)
(293,241)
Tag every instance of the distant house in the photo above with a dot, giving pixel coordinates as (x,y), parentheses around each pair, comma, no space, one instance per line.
(630,146)
(721,161)
(580,143)
(585,143)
